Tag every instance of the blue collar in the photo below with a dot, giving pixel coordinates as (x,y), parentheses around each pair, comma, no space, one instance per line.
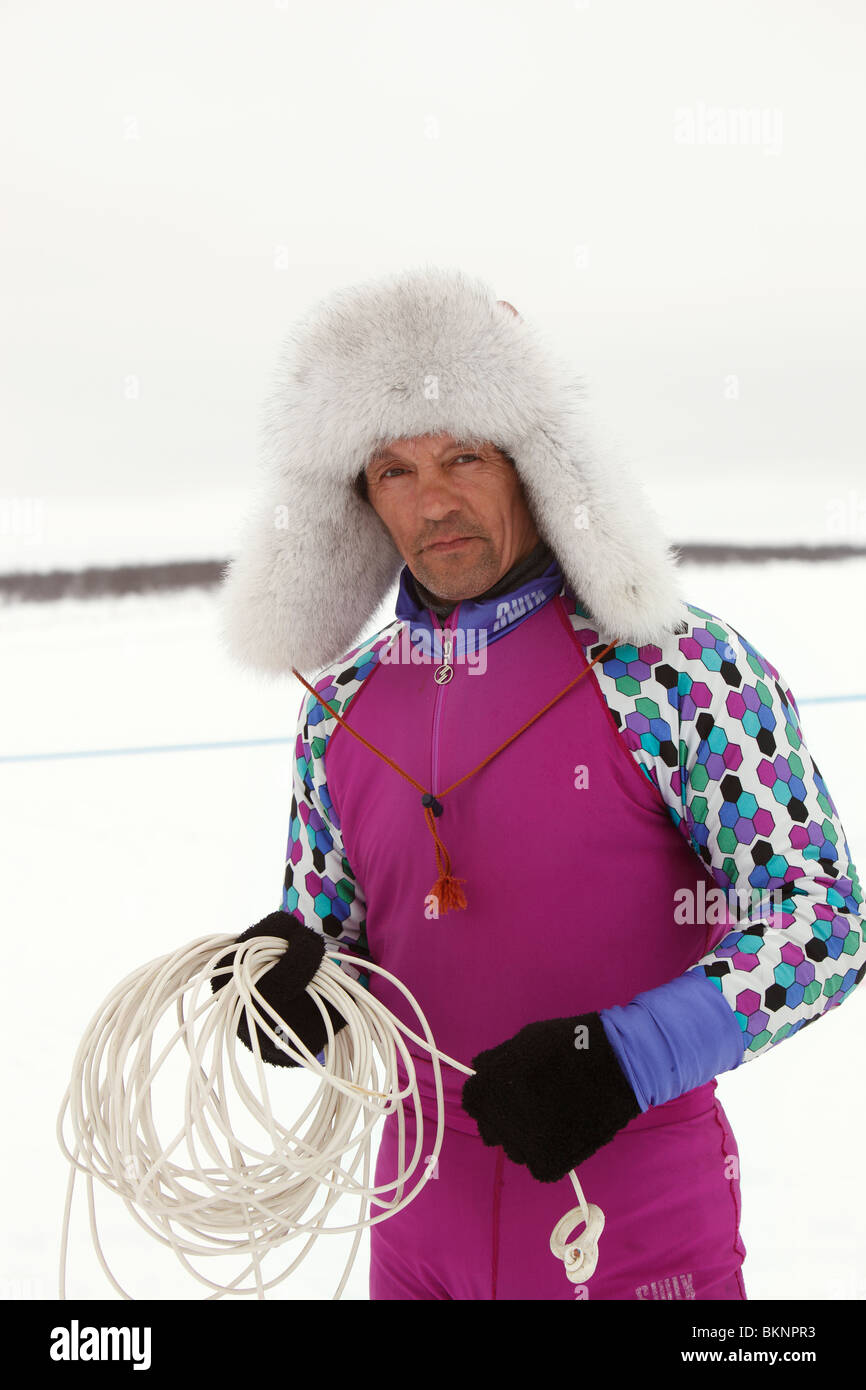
(493,616)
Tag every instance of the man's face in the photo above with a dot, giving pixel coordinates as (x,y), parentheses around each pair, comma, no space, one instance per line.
(428,491)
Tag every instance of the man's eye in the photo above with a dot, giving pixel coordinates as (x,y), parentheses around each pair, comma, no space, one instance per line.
(397,468)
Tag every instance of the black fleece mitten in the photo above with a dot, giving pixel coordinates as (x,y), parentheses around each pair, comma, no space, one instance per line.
(284,987)
(548,1103)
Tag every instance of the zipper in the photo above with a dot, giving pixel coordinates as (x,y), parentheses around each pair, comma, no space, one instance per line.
(447,651)
(445,670)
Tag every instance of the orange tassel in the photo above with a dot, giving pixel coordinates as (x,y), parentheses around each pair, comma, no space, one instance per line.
(448,893)
(446,889)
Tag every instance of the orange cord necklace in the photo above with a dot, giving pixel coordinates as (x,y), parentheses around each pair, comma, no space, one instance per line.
(447,889)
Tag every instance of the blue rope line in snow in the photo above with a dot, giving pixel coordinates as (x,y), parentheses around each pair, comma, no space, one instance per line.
(827,699)
(154,748)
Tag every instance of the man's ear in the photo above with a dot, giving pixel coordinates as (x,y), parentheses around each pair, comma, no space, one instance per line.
(508,306)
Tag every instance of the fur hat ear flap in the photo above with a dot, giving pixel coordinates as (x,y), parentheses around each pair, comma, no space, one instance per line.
(423,352)
(291,596)
(598,521)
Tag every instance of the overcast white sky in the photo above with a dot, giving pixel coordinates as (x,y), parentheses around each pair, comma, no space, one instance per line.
(181,180)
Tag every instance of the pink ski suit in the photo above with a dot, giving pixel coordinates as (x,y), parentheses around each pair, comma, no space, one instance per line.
(573,867)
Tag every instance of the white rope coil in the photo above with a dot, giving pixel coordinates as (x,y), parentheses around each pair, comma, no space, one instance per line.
(235,1197)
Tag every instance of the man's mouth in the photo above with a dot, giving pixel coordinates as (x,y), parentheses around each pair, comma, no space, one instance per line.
(454,544)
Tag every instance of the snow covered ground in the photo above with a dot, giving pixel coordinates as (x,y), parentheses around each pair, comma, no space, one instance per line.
(109,861)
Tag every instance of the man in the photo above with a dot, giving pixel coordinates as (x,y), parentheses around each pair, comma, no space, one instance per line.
(582,826)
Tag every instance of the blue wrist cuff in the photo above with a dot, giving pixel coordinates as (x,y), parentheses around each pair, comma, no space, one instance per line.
(676,1037)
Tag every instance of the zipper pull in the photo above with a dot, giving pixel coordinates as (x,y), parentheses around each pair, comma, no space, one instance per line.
(443,673)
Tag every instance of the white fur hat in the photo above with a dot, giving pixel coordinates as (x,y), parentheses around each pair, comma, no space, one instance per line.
(424,352)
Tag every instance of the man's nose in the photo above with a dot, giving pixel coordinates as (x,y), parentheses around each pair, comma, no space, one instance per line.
(436,493)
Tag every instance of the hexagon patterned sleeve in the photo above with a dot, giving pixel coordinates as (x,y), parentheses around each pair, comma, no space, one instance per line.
(319,887)
(728,756)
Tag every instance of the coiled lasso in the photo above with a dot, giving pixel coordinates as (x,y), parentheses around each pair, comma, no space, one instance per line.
(235,1197)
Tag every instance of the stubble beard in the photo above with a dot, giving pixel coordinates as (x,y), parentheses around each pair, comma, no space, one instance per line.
(456,576)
